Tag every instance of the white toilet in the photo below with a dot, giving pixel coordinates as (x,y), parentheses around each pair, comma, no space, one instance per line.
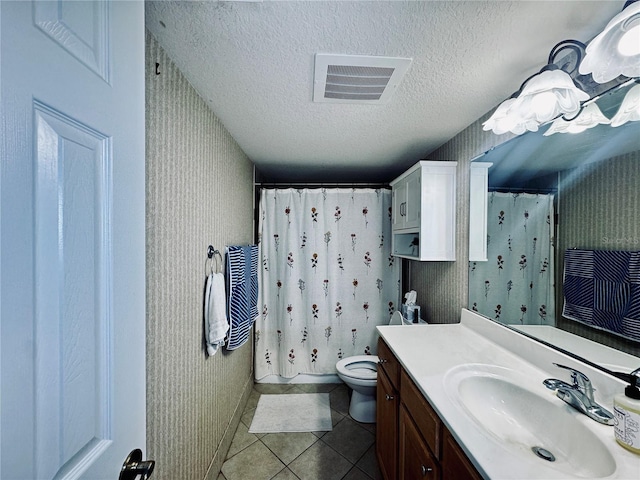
(360,373)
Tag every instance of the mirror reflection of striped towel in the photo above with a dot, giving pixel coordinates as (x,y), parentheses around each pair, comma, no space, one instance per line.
(242,278)
(602,289)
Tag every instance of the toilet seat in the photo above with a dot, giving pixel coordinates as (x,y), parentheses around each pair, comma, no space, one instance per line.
(362,367)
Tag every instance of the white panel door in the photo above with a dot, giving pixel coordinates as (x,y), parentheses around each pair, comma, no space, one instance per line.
(72,275)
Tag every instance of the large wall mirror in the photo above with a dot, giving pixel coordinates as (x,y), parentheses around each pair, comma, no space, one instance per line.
(553,194)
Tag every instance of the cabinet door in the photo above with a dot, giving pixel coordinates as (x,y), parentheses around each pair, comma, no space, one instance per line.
(423,415)
(455,464)
(437,229)
(399,202)
(412,209)
(478,193)
(416,461)
(387,427)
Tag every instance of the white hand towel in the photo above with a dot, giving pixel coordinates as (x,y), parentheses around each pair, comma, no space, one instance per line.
(215,312)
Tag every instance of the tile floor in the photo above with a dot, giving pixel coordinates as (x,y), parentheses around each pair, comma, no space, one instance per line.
(347,452)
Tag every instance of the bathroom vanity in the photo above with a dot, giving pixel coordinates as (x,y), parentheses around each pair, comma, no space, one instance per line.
(467,401)
(412,441)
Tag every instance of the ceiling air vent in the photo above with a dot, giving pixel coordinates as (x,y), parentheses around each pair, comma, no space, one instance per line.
(357,79)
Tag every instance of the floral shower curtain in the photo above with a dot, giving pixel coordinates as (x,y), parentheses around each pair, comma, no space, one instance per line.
(516,284)
(327,277)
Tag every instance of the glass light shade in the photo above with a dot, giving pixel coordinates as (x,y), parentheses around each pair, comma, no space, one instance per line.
(588,118)
(548,95)
(629,43)
(504,120)
(629,110)
(615,50)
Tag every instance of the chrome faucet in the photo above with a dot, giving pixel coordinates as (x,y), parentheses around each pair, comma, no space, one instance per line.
(579,395)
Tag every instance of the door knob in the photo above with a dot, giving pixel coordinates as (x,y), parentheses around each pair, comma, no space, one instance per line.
(134,466)
(389,397)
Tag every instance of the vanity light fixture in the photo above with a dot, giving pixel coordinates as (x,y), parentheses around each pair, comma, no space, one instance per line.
(567,87)
(550,93)
(616,50)
(590,117)
(629,110)
(505,119)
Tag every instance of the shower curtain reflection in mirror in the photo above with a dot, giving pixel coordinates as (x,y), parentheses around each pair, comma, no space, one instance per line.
(327,277)
(516,284)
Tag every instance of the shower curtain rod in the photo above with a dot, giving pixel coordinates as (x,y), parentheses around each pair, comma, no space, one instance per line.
(320,185)
(522,190)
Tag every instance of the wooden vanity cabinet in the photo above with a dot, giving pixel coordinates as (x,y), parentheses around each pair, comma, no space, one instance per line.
(455,464)
(420,434)
(387,403)
(411,440)
(416,460)
(426,419)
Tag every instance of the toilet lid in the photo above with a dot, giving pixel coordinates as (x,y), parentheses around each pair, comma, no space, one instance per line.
(364,367)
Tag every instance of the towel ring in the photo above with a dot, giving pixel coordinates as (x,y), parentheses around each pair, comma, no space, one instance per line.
(211,253)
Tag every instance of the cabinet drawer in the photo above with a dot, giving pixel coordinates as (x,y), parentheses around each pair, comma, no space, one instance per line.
(425,418)
(416,461)
(387,360)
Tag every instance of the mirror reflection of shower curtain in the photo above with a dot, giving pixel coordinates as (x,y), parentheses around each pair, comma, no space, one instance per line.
(516,284)
(327,277)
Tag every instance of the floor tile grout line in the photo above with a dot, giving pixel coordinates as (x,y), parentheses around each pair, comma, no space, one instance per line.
(360,470)
(241,450)
(348,460)
(286,467)
(353,463)
(301,453)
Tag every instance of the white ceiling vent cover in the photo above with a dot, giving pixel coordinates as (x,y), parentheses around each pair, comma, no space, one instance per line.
(356,78)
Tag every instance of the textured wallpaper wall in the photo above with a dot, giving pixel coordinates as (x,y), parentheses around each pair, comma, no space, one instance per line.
(199,192)
(598,208)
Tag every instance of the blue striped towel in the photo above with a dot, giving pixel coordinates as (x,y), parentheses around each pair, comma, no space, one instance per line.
(602,289)
(242,274)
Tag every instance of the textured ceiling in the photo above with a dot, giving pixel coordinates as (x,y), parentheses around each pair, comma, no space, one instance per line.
(252,62)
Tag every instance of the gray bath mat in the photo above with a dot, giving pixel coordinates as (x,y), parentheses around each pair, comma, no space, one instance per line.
(304,412)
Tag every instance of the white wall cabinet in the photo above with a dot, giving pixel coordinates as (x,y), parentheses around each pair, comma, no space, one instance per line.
(478,195)
(423,215)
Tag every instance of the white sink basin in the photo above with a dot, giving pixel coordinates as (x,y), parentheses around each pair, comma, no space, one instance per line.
(510,412)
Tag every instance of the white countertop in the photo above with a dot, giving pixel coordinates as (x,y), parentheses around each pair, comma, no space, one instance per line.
(428,352)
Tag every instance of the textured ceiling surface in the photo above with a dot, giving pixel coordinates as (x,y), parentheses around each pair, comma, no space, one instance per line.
(253,63)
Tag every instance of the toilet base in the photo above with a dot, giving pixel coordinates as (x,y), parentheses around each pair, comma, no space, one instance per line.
(363,407)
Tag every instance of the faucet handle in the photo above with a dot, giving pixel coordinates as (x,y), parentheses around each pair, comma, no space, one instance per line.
(580,380)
